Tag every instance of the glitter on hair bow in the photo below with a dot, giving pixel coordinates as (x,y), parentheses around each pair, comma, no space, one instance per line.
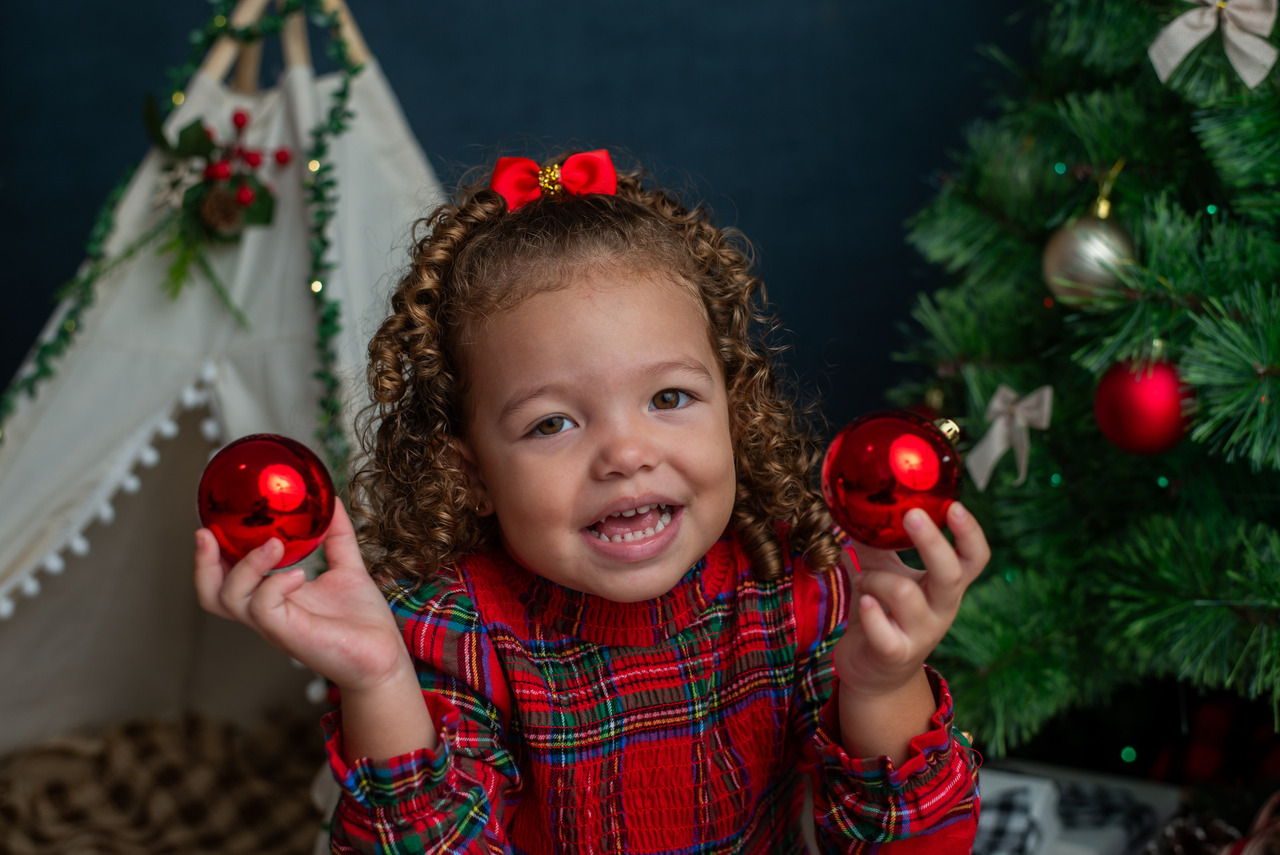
(520,180)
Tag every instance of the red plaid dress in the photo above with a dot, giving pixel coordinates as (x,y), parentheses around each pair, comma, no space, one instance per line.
(572,724)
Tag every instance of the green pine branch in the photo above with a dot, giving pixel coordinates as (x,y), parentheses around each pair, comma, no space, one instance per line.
(1111,568)
(1199,599)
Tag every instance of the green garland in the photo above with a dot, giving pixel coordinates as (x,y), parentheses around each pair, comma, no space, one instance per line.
(322,197)
(79,295)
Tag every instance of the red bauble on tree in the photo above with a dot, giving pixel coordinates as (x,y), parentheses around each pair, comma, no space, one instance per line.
(263,486)
(882,465)
(1142,409)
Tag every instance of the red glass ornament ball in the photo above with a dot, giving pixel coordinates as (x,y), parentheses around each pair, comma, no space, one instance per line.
(882,465)
(262,486)
(1142,409)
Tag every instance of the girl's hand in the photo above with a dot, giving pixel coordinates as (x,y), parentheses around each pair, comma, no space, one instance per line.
(898,614)
(338,625)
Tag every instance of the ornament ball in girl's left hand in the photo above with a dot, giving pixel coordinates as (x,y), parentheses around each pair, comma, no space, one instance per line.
(263,486)
(882,465)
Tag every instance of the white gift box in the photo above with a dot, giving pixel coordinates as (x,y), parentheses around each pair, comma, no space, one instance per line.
(1058,839)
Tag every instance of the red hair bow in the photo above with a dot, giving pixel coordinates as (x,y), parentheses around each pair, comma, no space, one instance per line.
(520,180)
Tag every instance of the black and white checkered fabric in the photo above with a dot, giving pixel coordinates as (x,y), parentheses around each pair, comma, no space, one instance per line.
(1089,805)
(1006,827)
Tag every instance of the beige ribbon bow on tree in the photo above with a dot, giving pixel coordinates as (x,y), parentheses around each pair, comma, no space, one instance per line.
(1246,26)
(1011,420)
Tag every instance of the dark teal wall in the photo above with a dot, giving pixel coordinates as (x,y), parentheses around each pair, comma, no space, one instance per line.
(814,125)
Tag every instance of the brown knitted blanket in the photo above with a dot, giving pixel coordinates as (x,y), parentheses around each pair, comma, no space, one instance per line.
(191,786)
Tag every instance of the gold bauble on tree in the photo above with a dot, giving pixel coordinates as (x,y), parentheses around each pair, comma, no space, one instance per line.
(1082,256)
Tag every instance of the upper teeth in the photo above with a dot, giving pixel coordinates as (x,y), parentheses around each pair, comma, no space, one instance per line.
(643,509)
(663,521)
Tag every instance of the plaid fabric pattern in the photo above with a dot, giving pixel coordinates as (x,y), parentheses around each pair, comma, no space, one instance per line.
(681,724)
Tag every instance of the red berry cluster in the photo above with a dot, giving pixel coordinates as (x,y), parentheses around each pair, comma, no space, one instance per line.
(221,167)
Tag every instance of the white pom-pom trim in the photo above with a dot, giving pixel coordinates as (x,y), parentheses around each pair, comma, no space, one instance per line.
(317,690)
(210,429)
(192,397)
(98,506)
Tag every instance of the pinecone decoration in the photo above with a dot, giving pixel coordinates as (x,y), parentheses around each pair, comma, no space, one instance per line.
(1192,835)
(221,212)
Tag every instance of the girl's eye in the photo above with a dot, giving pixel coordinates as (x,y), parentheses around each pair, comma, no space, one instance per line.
(670,399)
(552,425)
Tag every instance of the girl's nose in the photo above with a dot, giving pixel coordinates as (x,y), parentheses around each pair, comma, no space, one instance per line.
(625,447)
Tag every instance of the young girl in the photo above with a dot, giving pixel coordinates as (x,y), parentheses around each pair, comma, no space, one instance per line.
(620,618)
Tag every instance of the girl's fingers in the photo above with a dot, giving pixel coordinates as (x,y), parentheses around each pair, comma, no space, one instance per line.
(881,632)
(935,550)
(950,568)
(900,596)
(209,574)
(340,545)
(246,577)
(266,605)
(971,542)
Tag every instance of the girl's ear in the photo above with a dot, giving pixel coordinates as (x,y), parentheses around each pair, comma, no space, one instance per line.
(465,459)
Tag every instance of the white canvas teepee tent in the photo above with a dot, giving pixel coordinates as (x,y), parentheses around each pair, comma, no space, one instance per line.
(98,619)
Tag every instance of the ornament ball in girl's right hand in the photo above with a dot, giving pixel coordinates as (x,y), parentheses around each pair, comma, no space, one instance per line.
(882,465)
(263,486)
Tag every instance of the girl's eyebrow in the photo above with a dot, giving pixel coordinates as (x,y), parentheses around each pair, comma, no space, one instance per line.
(692,367)
(695,370)
(522,398)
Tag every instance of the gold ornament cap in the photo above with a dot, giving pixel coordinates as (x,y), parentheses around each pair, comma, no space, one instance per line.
(949,429)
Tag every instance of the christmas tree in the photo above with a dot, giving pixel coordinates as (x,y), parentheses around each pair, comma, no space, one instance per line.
(1108,340)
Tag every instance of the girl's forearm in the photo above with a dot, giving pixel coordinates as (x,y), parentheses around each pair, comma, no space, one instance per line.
(875,725)
(385,721)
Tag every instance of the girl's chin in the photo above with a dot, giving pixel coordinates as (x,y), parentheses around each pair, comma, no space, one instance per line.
(637,588)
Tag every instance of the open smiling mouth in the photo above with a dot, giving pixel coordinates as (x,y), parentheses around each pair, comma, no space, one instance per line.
(632,525)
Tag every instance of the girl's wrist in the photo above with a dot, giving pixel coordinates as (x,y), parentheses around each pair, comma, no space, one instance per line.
(386,719)
(870,700)
(883,722)
(396,680)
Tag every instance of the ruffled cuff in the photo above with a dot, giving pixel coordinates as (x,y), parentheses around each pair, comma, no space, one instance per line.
(934,759)
(404,787)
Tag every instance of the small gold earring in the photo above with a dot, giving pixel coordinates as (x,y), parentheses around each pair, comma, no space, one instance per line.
(482,506)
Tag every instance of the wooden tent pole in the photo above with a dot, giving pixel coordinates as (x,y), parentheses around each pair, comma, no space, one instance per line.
(293,40)
(217,62)
(245,77)
(358,51)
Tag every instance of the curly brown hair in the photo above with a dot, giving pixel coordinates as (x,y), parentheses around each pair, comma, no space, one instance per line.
(474,257)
